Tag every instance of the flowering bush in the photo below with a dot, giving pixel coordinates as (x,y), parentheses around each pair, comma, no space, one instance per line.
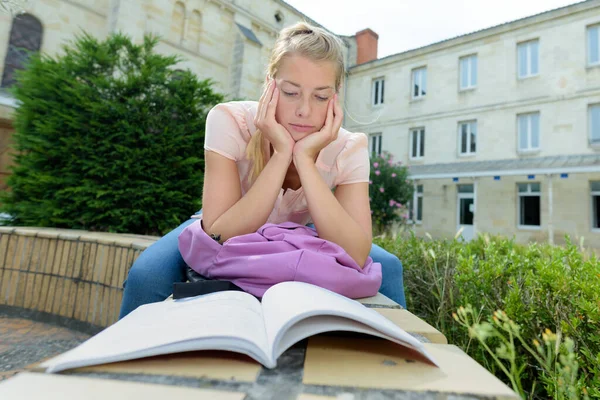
(389,191)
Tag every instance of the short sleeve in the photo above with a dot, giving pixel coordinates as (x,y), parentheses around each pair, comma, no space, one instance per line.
(353,162)
(226,131)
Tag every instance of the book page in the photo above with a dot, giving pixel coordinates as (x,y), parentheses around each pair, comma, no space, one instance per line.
(229,320)
(296,310)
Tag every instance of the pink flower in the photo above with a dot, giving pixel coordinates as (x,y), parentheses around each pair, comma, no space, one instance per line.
(392,202)
(405,216)
(398,205)
(377,172)
(394,175)
(381,189)
(371,211)
(390,163)
(370,182)
(375,164)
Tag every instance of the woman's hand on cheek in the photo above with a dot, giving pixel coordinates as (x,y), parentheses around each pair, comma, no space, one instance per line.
(312,144)
(265,120)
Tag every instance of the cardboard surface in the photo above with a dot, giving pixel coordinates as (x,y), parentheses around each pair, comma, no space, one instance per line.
(380,364)
(29,385)
(198,364)
(378,300)
(413,324)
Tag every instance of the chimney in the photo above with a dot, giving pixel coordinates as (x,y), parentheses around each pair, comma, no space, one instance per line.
(366,44)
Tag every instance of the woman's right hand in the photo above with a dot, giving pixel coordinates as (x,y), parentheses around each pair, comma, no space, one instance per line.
(264,120)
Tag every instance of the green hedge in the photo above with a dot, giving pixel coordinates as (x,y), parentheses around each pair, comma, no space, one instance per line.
(539,287)
(109,137)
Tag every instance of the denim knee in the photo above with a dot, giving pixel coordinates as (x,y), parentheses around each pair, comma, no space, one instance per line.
(391,264)
(392,272)
(136,275)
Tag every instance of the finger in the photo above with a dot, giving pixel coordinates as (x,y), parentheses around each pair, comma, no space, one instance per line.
(269,99)
(329,119)
(272,106)
(339,115)
(264,100)
(261,100)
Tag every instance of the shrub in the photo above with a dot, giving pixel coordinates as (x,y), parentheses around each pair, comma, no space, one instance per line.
(538,286)
(108,137)
(389,191)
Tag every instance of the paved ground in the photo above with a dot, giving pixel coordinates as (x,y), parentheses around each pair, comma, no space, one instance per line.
(24,343)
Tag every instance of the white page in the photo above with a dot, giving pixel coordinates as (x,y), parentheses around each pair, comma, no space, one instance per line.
(289,303)
(229,320)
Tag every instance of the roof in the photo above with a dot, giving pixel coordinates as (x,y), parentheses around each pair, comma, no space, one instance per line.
(249,34)
(489,29)
(520,166)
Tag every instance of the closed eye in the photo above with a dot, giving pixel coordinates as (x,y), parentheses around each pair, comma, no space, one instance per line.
(289,93)
(320,98)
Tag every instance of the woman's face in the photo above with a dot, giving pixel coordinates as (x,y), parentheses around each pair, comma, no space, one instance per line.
(305,90)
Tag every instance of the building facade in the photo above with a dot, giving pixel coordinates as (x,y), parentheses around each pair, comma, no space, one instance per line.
(228,41)
(500,128)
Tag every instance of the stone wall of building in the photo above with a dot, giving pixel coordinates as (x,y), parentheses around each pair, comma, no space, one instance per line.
(561,91)
(202,32)
(497,208)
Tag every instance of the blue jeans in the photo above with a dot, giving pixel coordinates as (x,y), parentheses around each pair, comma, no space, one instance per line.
(153,273)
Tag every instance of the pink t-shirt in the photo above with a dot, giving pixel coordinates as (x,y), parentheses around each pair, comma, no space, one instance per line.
(229,127)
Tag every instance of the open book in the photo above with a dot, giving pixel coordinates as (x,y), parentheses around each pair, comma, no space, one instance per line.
(233,321)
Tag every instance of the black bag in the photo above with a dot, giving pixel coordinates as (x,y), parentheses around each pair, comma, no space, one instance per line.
(198,284)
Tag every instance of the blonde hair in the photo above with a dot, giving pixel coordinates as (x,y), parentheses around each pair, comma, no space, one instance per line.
(306,40)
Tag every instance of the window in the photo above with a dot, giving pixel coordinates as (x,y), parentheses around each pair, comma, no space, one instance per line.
(178,17)
(594,123)
(375,144)
(529,132)
(529,204)
(177,74)
(528,55)
(278,17)
(595,191)
(25,38)
(468,72)
(417,143)
(195,30)
(378,91)
(593,36)
(466,204)
(467,132)
(419,82)
(417,205)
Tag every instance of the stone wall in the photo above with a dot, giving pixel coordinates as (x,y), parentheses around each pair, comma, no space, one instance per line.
(73,274)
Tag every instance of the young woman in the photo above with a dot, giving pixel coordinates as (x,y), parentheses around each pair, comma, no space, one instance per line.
(278,160)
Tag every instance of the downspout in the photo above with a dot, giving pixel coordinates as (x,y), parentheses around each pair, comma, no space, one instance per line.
(414,203)
(475,181)
(346,74)
(550,210)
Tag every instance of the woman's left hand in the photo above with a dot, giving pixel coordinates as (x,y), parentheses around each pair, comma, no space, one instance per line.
(311,145)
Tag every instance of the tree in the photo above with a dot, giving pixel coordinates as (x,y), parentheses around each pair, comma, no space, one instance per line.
(108,137)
